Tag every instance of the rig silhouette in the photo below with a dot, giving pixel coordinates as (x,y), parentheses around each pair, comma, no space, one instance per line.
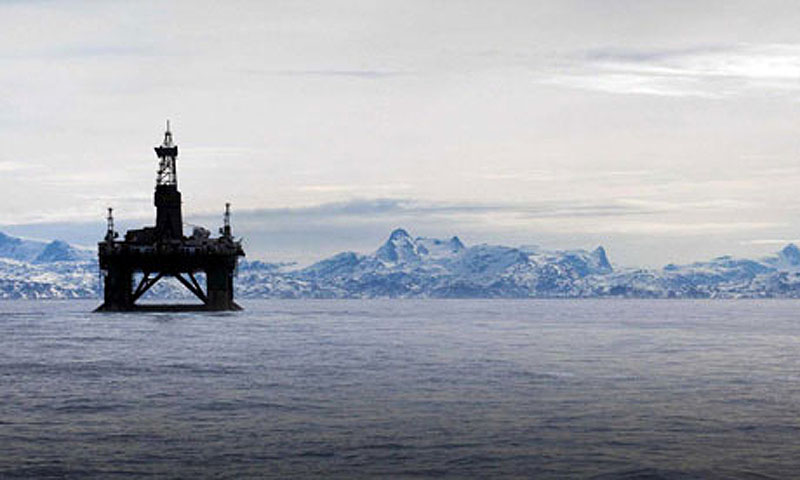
(162,251)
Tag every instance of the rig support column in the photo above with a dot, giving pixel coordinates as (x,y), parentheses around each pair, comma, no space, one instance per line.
(219,285)
(117,288)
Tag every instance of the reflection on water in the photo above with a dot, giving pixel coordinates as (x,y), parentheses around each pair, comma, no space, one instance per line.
(347,389)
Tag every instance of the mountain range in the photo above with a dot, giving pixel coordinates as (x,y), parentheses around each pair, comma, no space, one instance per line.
(419,267)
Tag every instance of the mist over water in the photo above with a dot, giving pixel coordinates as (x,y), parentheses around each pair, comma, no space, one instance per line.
(403,389)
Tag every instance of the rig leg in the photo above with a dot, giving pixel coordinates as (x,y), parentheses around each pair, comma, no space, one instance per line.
(219,285)
(117,287)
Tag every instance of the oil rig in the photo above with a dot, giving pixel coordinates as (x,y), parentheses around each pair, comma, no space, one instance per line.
(152,253)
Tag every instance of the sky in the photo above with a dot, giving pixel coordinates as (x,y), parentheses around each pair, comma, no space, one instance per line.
(666,131)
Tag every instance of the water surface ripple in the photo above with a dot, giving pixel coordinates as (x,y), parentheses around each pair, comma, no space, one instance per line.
(608,389)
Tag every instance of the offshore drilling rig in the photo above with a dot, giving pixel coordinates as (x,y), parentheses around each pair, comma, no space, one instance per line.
(161,251)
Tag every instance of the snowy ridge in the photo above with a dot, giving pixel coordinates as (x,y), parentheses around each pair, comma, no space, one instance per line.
(408,267)
(432,268)
(47,280)
(427,267)
(41,252)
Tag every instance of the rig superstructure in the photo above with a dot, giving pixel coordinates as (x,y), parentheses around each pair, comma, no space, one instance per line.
(152,253)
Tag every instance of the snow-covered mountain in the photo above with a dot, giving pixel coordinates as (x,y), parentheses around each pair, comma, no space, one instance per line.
(20,279)
(419,267)
(41,252)
(426,267)
(35,269)
(60,251)
(19,249)
(431,268)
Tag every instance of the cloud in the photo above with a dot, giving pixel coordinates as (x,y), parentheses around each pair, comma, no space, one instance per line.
(771,241)
(96,51)
(352,188)
(685,228)
(412,208)
(702,71)
(12,166)
(362,74)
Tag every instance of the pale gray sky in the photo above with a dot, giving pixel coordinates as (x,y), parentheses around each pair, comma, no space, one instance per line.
(666,131)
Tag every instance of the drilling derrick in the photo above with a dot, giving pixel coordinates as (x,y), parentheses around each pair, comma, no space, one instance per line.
(167,199)
(152,253)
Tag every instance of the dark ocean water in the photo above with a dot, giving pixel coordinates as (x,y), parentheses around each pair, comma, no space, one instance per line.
(403,389)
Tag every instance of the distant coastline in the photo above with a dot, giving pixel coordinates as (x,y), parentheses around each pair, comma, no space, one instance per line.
(418,267)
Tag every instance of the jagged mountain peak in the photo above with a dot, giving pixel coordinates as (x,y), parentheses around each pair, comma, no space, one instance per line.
(20,249)
(399,248)
(456,244)
(791,254)
(399,234)
(786,259)
(601,258)
(59,251)
(434,248)
(37,251)
(583,262)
